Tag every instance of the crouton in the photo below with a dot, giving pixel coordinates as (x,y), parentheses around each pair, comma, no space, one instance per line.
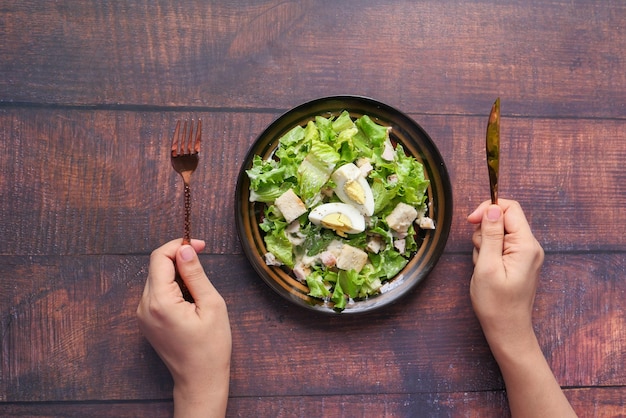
(290,205)
(351,258)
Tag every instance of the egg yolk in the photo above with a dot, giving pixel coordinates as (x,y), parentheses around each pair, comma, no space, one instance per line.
(338,222)
(354,191)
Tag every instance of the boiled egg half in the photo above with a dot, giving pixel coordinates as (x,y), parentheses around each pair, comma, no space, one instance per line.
(340,217)
(352,188)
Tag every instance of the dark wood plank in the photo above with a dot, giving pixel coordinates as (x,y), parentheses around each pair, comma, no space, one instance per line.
(592,403)
(548,58)
(567,174)
(151,409)
(100,182)
(89,95)
(83,185)
(69,332)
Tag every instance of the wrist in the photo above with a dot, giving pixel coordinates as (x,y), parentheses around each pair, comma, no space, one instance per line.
(517,348)
(200,401)
(508,333)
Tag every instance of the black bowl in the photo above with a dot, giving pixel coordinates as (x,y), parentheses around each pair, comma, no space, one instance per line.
(415,142)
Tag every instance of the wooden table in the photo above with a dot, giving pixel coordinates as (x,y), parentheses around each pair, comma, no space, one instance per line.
(89,95)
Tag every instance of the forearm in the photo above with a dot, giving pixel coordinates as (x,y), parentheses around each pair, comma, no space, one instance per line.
(532,389)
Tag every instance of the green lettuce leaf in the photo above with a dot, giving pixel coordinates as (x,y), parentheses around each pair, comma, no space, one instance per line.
(339,297)
(343,122)
(377,134)
(350,282)
(400,180)
(268,180)
(316,285)
(276,240)
(325,127)
(314,172)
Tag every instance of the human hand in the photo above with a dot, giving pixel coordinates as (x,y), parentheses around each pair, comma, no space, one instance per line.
(192,339)
(507,260)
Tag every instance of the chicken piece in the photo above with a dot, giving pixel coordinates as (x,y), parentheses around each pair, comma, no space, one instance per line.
(335,247)
(401,217)
(389,153)
(365,166)
(301,271)
(328,259)
(290,205)
(400,245)
(374,244)
(426,223)
(271,260)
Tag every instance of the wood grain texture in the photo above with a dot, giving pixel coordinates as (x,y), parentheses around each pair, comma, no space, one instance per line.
(69,332)
(89,95)
(105,184)
(549,58)
(592,403)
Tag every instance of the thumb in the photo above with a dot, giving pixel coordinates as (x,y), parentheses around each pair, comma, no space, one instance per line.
(192,273)
(492,233)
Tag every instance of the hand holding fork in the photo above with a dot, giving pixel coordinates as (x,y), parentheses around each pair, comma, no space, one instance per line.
(184,159)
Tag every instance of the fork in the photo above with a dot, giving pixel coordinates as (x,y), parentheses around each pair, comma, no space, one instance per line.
(184,159)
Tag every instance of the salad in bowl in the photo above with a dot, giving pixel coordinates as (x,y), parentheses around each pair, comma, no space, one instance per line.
(337,207)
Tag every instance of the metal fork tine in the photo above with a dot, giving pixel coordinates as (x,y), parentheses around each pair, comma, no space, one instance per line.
(189,139)
(196,146)
(183,140)
(184,143)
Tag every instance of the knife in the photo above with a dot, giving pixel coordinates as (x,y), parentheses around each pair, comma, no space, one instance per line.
(493,149)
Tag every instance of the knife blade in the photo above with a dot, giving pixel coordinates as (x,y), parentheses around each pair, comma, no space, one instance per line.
(493,149)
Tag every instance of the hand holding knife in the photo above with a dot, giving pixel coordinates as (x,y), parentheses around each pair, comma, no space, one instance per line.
(493,149)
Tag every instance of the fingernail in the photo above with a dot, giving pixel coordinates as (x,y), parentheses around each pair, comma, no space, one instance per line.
(494,212)
(187,253)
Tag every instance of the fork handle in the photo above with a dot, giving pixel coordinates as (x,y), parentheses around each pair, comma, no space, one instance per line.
(186,241)
(187,235)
